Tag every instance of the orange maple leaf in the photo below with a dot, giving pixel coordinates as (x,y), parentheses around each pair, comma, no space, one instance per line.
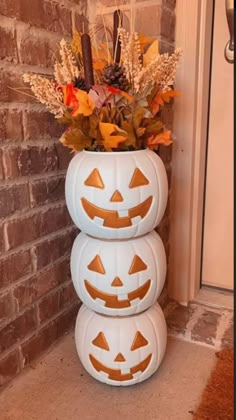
(162,97)
(162,138)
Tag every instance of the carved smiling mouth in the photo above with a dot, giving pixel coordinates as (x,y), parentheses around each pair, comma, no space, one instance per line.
(111,218)
(111,301)
(116,374)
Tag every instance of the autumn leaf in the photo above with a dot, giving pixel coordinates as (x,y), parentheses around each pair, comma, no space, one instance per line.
(129,129)
(151,53)
(162,138)
(86,104)
(160,98)
(75,139)
(112,135)
(145,41)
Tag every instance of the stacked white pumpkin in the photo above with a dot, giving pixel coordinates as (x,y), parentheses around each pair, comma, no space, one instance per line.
(118,262)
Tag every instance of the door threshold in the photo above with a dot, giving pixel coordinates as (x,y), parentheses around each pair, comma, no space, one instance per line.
(215,298)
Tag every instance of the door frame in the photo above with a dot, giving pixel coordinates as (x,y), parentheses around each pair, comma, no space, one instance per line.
(194,35)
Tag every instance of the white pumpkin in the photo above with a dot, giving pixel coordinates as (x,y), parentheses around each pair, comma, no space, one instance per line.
(118,277)
(116,195)
(121,351)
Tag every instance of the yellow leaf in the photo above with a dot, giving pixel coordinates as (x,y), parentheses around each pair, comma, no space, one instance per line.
(162,138)
(111,141)
(86,105)
(145,41)
(151,53)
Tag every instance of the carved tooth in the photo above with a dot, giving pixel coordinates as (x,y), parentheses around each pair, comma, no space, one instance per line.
(135,302)
(136,220)
(124,296)
(103,374)
(136,374)
(98,221)
(125,370)
(123,213)
(100,301)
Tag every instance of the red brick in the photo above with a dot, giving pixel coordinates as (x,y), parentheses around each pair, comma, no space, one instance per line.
(29,161)
(178,318)
(66,320)
(228,337)
(67,294)
(2,241)
(167,114)
(43,14)
(49,306)
(81,23)
(18,329)
(32,289)
(36,50)
(168,21)
(51,250)
(169,3)
(10,8)
(8,49)
(13,198)
(41,125)
(165,153)
(9,80)
(56,301)
(13,267)
(147,20)
(1,166)
(11,125)
(40,342)
(6,307)
(26,229)
(205,328)
(64,155)
(9,367)
(164,229)
(47,190)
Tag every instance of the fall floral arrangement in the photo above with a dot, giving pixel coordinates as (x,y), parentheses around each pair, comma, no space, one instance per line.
(110,101)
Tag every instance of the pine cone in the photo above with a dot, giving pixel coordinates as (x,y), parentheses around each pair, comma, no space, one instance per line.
(79,83)
(114,75)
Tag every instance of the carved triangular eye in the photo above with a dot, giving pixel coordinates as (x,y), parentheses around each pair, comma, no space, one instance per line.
(137,265)
(94,180)
(138,179)
(96,265)
(139,341)
(101,342)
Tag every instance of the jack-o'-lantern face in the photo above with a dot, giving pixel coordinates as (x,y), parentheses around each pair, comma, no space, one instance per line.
(121,350)
(118,277)
(110,217)
(116,374)
(116,195)
(115,300)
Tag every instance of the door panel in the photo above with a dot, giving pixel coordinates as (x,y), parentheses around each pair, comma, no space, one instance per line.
(217,260)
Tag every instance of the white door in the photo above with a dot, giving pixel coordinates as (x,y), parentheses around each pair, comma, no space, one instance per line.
(217,259)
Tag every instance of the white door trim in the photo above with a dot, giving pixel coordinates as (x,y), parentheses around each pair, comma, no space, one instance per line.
(193,35)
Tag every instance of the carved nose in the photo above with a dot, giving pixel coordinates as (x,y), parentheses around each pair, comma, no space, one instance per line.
(117,282)
(119,358)
(116,196)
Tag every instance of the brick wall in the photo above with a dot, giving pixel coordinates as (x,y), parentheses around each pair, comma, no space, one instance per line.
(153,18)
(37,299)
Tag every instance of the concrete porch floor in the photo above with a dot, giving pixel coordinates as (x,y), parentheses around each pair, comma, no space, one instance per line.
(57,387)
